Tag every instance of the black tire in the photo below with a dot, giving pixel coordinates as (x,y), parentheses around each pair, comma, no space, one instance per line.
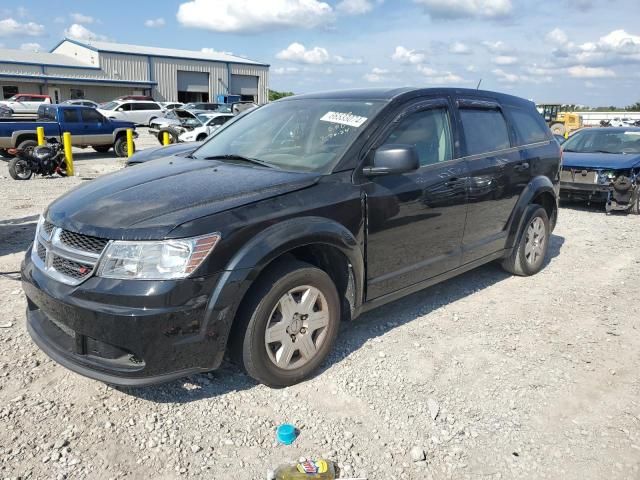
(102,148)
(151,120)
(120,146)
(173,136)
(63,169)
(19,169)
(27,145)
(519,262)
(248,346)
(201,138)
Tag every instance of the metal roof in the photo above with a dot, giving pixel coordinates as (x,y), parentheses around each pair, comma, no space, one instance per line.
(39,58)
(161,52)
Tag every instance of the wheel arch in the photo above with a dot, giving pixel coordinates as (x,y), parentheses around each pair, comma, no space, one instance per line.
(318,241)
(539,191)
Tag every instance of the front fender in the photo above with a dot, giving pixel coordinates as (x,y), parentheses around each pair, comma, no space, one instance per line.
(538,185)
(250,260)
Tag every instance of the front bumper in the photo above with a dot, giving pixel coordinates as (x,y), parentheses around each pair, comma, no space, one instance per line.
(127,333)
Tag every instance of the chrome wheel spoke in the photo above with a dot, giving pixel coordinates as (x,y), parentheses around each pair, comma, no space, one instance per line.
(284,354)
(277,332)
(308,300)
(306,346)
(287,306)
(317,320)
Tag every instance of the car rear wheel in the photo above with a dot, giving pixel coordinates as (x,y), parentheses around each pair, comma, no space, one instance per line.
(289,324)
(529,254)
(27,145)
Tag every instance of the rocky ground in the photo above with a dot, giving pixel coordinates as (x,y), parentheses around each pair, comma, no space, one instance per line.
(486,376)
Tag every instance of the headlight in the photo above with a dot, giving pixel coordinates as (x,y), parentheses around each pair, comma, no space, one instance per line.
(156,260)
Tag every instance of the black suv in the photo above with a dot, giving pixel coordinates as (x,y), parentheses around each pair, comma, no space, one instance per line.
(303,213)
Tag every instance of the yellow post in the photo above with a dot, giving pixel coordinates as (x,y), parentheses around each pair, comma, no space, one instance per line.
(40,134)
(68,154)
(129,142)
(566,134)
(165,138)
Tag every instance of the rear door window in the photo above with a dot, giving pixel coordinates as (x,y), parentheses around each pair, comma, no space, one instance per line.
(485,130)
(70,116)
(528,125)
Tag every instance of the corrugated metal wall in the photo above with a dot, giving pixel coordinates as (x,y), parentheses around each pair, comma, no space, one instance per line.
(263,78)
(165,72)
(125,67)
(20,69)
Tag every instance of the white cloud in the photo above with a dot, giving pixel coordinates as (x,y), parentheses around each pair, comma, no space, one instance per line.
(504,60)
(407,56)
(459,48)
(557,37)
(506,77)
(10,27)
(80,18)
(340,60)
(284,70)
(81,32)
(376,75)
(31,47)
(498,47)
(254,16)
(434,77)
(296,52)
(581,71)
(155,22)
(354,7)
(467,8)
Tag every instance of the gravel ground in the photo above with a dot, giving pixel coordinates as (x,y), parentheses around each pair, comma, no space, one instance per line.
(486,376)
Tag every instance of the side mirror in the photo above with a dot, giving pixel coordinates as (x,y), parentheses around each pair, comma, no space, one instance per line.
(393,159)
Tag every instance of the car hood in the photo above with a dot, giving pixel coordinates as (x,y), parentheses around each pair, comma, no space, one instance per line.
(600,161)
(122,124)
(154,153)
(147,202)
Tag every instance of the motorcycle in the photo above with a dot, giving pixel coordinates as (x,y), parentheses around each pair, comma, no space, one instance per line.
(43,160)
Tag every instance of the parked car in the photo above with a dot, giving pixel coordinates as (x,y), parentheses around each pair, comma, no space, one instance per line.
(87,126)
(212,122)
(302,213)
(137,111)
(175,122)
(153,153)
(214,107)
(25,103)
(602,165)
(559,138)
(170,105)
(81,101)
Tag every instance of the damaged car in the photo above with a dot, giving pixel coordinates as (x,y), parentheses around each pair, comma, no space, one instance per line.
(602,165)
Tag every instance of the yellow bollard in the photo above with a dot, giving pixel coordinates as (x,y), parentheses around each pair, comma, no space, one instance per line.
(165,138)
(40,134)
(129,142)
(68,154)
(566,134)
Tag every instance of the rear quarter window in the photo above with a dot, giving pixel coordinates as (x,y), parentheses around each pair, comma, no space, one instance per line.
(485,130)
(529,126)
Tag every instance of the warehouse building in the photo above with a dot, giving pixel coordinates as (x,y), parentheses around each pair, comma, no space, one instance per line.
(102,71)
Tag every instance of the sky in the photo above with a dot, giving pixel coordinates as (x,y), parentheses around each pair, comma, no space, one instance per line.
(566,51)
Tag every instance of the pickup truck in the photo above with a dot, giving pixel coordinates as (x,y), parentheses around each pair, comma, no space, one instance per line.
(88,128)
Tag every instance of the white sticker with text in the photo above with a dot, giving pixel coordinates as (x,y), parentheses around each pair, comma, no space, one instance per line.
(344,119)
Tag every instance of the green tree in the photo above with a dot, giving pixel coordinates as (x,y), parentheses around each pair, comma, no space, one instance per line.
(275,95)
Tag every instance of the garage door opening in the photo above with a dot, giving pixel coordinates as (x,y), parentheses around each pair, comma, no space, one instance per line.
(193,86)
(246,86)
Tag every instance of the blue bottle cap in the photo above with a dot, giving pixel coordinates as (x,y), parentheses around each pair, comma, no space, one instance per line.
(286,434)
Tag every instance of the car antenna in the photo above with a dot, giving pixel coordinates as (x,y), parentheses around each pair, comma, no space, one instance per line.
(479,83)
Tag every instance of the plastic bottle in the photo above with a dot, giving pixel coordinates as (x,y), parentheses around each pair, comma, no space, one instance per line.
(306,470)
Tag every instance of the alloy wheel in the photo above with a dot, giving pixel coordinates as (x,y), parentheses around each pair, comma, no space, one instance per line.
(535,241)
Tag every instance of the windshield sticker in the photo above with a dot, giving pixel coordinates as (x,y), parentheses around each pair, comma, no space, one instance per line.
(344,119)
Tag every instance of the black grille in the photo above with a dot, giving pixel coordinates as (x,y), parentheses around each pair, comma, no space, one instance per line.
(48,227)
(83,242)
(70,268)
(42,252)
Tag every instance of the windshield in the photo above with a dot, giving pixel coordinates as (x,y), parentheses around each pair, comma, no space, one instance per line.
(108,105)
(12,99)
(203,117)
(604,141)
(303,135)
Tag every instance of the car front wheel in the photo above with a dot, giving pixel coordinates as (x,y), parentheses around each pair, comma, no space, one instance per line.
(529,254)
(290,324)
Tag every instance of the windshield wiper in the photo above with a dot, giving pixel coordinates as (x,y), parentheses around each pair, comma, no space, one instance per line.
(233,156)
